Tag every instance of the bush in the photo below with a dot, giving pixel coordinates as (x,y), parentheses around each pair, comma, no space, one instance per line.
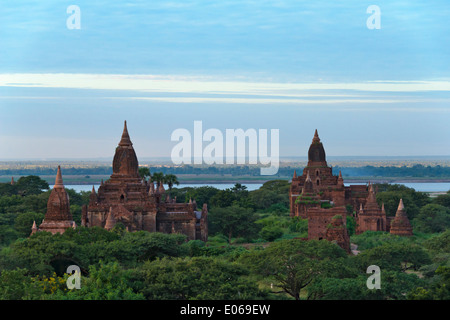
(271,233)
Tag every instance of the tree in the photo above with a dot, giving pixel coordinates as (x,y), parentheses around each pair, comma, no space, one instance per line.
(107,281)
(270,193)
(394,286)
(17,285)
(24,222)
(158,177)
(223,198)
(271,233)
(390,195)
(394,256)
(292,265)
(31,185)
(443,200)
(197,278)
(170,180)
(437,290)
(233,221)
(201,194)
(432,218)
(144,173)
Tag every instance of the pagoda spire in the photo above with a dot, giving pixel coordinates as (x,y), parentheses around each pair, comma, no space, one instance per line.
(125,140)
(93,196)
(34,228)
(316,137)
(110,221)
(308,177)
(401,207)
(295,175)
(340,180)
(401,225)
(59,180)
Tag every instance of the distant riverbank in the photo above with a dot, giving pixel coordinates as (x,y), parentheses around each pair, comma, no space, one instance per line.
(430,187)
(227,179)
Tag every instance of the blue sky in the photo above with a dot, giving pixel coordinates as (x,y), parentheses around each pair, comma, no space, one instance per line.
(161,65)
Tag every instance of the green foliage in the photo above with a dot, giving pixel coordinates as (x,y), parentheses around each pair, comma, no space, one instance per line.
(443,200)
(270,193)
(196,279)
(16,285)
(351,225)
(144,172)
(24,222)
(233,221)
(390,195)
(432,218)
(440,243)
(293,264)
(108,281)
(371,239)
(170,180)
(299,225)
(201,194)
(439,289)
(31,185)
(271,233)
(394,286)
(118,264)
(44,253)
(394,256)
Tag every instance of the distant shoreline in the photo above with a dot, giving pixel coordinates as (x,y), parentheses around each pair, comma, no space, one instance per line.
(205,179)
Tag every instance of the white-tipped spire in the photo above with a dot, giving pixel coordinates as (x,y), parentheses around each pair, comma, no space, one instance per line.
(308,178)
(400,205)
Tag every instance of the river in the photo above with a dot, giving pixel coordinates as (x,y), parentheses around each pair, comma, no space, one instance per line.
(418,186)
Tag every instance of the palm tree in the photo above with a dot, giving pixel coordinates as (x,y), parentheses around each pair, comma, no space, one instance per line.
(158,177)
(144,172)
(170,180)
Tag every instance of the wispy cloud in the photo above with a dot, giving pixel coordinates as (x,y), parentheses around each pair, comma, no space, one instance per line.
(185,89)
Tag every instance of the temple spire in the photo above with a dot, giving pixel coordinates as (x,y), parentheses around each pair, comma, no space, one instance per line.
(401,207)
(34,228)
(316,137)
(110,221)
(59,180)
(125,141)
(295,175)
(308,178)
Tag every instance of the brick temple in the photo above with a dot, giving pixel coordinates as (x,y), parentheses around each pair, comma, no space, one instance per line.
(321,197)
(58,217)
(127,199)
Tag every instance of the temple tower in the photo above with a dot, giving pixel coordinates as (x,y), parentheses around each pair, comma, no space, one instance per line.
(372,217)
(58,217)
(400,224)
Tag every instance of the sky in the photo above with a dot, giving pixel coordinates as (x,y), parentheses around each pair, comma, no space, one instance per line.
(295,66)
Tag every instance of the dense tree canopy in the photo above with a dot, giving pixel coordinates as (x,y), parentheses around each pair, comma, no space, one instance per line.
(254,251)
